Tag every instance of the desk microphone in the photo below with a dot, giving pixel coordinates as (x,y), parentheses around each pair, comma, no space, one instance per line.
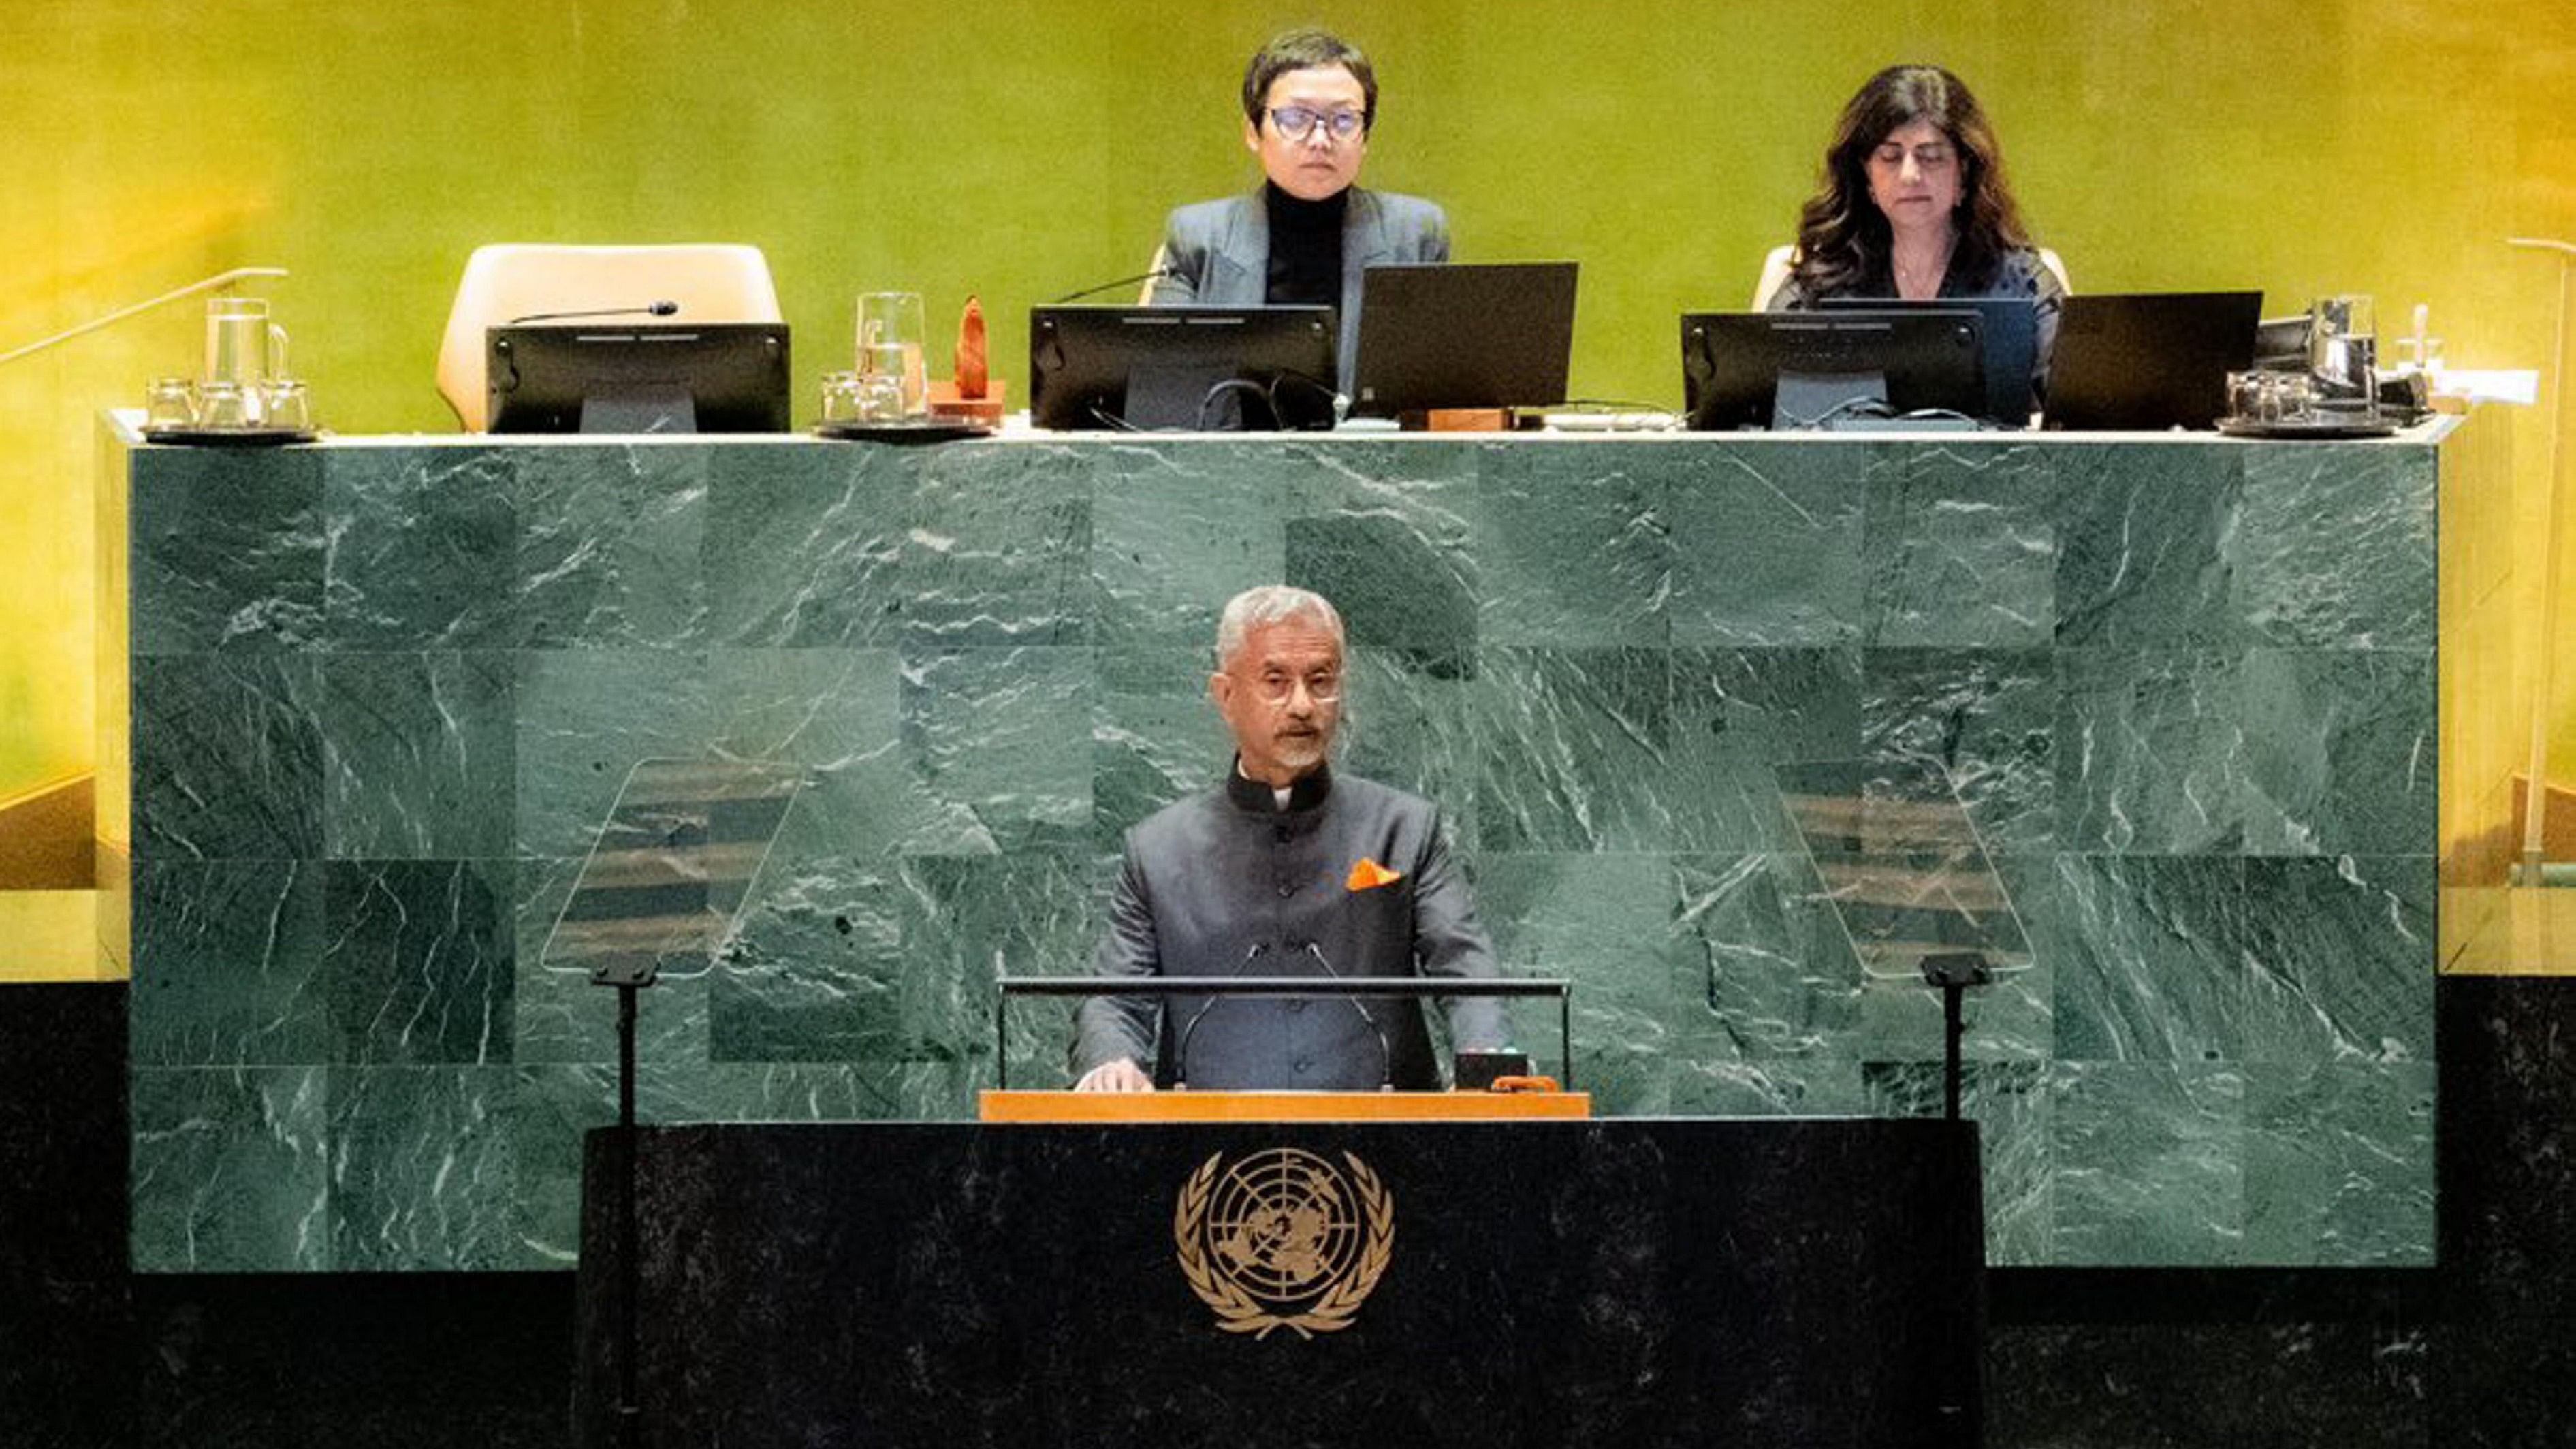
(1156,275)
(1181,1051)
(649,309)
(1385,1053)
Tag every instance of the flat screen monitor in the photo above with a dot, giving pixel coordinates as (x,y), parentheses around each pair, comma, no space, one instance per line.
(2011,360)
(1452,335)
(727,377)
(1822,369)
(1181,369)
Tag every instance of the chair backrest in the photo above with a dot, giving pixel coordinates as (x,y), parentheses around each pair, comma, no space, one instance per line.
(1776,264)
(2057,269)
(1775,275)
(711,283)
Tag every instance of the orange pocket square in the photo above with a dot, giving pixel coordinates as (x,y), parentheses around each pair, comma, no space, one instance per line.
(1368,875)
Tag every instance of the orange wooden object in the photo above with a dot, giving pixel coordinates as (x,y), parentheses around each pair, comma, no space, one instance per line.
(1468,420)
(1284,1106)
(946,403)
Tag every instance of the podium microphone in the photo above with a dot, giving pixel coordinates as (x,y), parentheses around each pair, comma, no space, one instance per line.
(1181,1049)
(1385,1052)
(1156,275)
(649,309)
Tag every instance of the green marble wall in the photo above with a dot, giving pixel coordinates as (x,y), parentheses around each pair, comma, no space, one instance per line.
(383,693)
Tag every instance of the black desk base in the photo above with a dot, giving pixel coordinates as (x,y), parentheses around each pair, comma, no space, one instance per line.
(1628,1282)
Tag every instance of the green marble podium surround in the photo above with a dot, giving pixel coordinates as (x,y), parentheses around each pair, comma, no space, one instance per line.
(384,690)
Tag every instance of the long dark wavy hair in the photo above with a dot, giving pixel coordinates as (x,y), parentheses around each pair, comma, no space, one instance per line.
(1843,238)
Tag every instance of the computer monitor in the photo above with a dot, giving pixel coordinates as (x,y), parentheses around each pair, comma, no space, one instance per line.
(1823,369)
(1187,369)
(1453,335)
(2011,359)
(679,377)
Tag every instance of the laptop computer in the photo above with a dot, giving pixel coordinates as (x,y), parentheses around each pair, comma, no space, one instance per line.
(1453,335)
(2148,361)
(2009,335)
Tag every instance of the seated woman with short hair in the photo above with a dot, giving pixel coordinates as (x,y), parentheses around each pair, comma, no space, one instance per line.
(1309,234)
(1914,206)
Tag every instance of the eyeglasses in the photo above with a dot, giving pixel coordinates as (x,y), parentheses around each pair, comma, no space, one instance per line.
(1297,123)
(1278,689)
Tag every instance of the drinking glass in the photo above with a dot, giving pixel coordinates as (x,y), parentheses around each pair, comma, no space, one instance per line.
(286,403)
(222,404)
(169,403)
(840,397)
(894,379)
(2269,397)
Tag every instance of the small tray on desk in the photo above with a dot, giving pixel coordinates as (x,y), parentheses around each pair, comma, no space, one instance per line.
(2319,428)
(934,430)
(230,437)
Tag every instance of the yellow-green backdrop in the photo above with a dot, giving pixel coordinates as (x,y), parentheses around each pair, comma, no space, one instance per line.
(1020,150)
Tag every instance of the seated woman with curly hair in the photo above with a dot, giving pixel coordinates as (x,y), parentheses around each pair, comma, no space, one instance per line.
(1914,206)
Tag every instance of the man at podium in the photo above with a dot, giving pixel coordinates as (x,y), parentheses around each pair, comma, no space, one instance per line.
(1284,869)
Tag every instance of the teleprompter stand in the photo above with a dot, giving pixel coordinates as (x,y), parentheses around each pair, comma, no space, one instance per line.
(1953,972)
(629,975)
(667,876)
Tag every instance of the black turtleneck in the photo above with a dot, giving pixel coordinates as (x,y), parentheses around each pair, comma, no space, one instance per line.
(1305,246)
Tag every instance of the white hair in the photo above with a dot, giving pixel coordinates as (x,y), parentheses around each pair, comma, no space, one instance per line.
(1259,608)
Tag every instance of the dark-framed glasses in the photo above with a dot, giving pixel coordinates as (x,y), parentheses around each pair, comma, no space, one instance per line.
(1297,122)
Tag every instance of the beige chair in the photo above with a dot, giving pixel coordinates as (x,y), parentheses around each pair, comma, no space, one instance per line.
(1153,274)
(711,283)
(1775,274)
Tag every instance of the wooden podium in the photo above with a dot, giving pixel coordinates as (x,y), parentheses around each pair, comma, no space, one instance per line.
(1285,1106)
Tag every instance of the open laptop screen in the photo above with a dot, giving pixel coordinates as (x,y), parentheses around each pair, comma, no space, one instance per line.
(2149,360)
(1454,335)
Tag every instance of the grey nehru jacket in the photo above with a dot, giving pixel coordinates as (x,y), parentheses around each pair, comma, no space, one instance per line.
(1226,883)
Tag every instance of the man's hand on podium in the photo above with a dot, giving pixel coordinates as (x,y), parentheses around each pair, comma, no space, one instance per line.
(1122,1075)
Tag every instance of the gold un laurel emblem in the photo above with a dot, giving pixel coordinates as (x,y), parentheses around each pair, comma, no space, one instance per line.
(1283,1239)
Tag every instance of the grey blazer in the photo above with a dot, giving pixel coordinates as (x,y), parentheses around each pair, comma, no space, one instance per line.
(1225,883)
(1219,252)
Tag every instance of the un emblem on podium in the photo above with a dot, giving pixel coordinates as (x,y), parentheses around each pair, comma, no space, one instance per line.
(1283,1239)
